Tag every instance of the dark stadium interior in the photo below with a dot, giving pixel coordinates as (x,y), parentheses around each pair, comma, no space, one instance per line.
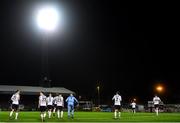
(107,44)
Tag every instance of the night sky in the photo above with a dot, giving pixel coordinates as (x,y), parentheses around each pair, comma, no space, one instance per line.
(120,47)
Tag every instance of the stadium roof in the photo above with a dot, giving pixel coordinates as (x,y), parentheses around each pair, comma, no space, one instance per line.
(33,90)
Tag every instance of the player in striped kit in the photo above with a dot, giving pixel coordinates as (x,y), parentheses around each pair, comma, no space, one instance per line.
(55,104)
(156,101)
(117,105)
(15,104)
(133,105)
(60,105)
(42,105)
(49,100)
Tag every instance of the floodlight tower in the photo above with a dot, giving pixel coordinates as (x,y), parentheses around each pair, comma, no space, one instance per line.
(47,21)
(98,89)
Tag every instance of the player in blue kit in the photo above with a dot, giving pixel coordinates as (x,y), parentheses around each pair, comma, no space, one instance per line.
(71,100)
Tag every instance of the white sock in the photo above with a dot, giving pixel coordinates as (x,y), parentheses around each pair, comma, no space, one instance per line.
(156,111)
(49,114)
(115,113)
(11,113)
(119,114)
(58,113)
(16,115)
(44,114)
(54,110)
(61,114)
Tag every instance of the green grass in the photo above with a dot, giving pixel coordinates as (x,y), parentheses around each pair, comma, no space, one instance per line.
(95,117)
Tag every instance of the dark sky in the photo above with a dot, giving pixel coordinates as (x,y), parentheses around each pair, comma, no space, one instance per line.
(124,47)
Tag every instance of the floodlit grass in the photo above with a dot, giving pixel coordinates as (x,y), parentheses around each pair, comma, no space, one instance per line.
(95,117)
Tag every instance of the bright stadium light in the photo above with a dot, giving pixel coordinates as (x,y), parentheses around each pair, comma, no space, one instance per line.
(98,88)
(159,88)
(47,18)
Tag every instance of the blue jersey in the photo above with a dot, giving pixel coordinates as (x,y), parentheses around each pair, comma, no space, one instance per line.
(71,100)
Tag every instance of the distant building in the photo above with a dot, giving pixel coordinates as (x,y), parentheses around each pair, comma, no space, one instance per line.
(29,95)
(33,90)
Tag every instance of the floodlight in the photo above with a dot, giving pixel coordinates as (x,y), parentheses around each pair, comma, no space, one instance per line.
(159,88)
(47,18)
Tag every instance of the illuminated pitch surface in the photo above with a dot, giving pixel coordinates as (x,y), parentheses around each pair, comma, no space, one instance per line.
(95,116)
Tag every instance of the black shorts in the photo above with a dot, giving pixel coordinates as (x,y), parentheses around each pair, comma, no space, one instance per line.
(42,108)
(54,105)
(117,107)
(59,108)
(50,107)
(156,106)
(133,108)
(15,107)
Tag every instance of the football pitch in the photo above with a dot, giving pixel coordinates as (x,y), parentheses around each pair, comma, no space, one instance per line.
(95,117)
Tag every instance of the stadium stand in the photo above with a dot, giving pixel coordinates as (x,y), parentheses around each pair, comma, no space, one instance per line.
(33,90)
(29,95)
